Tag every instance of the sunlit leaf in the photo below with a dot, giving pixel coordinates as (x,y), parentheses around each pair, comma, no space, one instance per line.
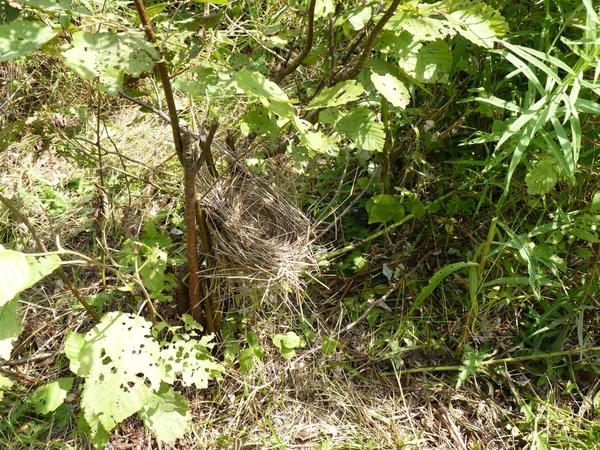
(340,94)
(49,397)
(392,89)
(363,129)
(19,37)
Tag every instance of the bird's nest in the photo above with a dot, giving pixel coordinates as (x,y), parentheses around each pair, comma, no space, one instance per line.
(258,236)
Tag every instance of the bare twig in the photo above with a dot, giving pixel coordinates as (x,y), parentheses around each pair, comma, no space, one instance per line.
(42,356)
(287,69)
(351,71)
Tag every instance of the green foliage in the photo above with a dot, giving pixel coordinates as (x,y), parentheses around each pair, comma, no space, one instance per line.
(127,372)
(49,397)
(18,272)
(287,343)
(5,383)
(20,37)
(107,56)
(384,208)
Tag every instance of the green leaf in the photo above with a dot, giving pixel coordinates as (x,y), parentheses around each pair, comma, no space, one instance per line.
(108,56)
(595,205)
(166,414)
(56,6)
(246,359)
(476,21)
(392,89)
(5,383)
(19,37)
(50,396)
(359,17)
(286,343)
(422,28)
(363,129)
(542,178)
(10,327)
(318,142)
(121,364)
(434,62)
(191,361)
(329,346)
(340,94)
(471,362)
(261,121)
(324,8)
(19,271)
(255,84)
(384,208)
(437,278)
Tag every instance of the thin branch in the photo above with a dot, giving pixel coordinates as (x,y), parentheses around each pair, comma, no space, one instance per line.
(287,69)
(353,69)
(29,359)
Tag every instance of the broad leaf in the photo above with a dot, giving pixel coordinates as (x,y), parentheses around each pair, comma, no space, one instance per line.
(286,343)
(108,56)
(121,364)
(434,62)
(166,414)
(19,271)
(255,84)
(340,94)
(50,396)
(56,6)
(19,37)
(384,208)
(392,89)
(10,327)
(476,21)
(363,129)
(542,178)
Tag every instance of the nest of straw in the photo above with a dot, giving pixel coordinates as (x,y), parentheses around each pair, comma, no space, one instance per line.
(258,235)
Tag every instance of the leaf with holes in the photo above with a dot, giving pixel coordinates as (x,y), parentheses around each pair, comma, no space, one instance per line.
(19,37)
(363,129)
(190,361)
(108,56)
(121,364)
(50,396)
(392,89)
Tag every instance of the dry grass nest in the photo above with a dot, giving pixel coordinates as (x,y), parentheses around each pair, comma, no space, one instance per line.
(258,235)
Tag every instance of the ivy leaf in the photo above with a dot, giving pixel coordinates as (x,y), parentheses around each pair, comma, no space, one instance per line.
(542,178)
(56,6)
(166,414)
(392,89)
(19,37)
(120,362)
(476,21)
(384,208)
(50,396)
(108,56)
(363,129)
(286,343)
(19,271)
(340,94)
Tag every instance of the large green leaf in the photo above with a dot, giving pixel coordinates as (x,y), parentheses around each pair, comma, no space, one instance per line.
(340,94)
(19,37)
(255,84)
(384,208)
(392,89)
(56,6)
(363,129)
(19,271)
(476,21)
(108,56)
(434,62)
(166,414)
(121,364)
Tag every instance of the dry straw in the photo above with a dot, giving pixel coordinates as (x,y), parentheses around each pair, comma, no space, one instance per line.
(258,235)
